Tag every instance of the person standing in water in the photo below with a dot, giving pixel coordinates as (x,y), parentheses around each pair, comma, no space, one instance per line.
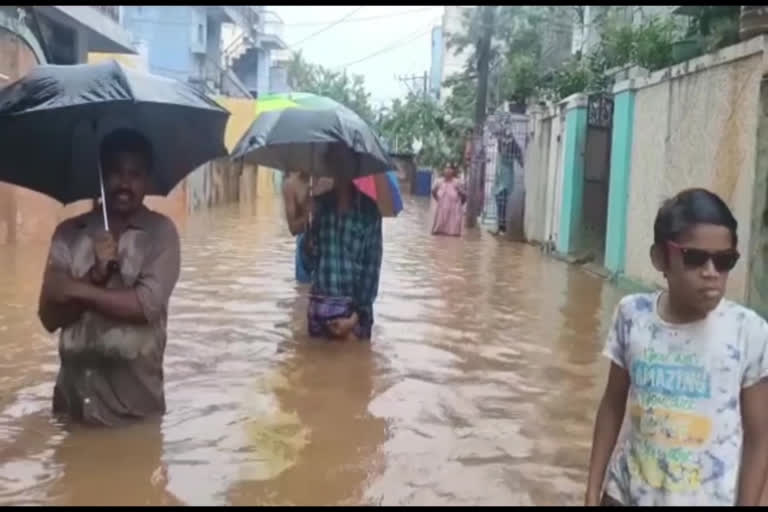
(450,195)
(108,292)
(344,255)
(296,200)
(691,367)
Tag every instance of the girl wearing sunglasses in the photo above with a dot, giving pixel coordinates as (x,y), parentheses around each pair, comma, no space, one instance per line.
(689,367)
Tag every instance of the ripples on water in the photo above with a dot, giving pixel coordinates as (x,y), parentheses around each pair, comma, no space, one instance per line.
(480,386)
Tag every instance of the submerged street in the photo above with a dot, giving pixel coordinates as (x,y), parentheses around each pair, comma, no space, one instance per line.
(480,386)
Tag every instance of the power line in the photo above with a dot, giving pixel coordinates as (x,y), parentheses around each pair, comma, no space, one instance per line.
(386,49)
(327,27)
(365,18)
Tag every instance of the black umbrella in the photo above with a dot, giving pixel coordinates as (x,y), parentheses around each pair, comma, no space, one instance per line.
(53,119)
(313,134)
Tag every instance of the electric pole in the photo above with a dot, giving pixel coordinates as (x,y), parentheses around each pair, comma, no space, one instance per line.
(477,166)
(412,81)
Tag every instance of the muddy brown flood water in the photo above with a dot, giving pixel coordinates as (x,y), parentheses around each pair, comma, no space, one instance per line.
(480,386)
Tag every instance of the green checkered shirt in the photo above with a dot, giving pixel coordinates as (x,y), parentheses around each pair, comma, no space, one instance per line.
(346,256)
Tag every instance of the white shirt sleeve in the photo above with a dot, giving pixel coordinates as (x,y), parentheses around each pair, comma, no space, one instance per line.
(755,351)
(616,344)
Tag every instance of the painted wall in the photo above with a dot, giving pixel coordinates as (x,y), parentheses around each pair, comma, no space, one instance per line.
(695,125)
(138,62)
(242,112)
(543,175)
(224,181)
(262,80)
(757,254)
(537,161)
(170,32)
(572,194)
(618,194)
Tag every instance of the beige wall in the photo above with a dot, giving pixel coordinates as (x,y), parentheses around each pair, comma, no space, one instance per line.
(536,164)
(697,129)
(544,174)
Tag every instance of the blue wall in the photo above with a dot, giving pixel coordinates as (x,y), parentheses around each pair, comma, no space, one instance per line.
(171,33)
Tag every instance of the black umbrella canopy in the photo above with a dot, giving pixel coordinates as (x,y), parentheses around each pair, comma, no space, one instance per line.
(317,136)
(53,119)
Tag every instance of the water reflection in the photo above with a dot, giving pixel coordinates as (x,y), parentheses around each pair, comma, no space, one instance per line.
(105,467)
(479,387)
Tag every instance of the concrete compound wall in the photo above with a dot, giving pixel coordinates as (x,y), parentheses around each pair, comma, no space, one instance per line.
(536,183)
(695,125)
(544,174)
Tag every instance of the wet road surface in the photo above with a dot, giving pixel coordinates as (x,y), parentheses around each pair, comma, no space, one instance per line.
(480,386)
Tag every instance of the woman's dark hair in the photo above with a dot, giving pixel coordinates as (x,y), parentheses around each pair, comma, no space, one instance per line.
(688,208)
(124,140)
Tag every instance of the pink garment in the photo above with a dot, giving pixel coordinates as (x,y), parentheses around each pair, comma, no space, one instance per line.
(449,214)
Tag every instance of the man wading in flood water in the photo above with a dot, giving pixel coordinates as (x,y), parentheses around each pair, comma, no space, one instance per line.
(112,317)
(344,255)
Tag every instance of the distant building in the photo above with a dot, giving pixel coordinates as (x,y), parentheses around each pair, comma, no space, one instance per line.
(185,42)
(436,67)
(56,34)
(278,71)
(256,56)
(451,62)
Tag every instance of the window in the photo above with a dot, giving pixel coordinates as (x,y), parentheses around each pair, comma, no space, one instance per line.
(200,34)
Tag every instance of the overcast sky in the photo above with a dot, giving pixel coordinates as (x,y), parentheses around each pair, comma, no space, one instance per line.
(397,41)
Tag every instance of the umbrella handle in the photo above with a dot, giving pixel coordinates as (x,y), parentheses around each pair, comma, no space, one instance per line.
(113,266)
(103,197)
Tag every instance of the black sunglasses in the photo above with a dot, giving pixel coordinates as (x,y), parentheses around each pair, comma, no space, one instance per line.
(724,261)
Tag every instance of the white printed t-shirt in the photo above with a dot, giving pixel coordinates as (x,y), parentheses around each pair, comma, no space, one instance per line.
(684,435)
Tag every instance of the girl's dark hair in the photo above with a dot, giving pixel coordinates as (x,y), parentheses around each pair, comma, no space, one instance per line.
(688,208)
(125,140)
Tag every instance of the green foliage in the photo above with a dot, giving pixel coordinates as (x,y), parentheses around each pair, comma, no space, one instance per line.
(348,90)
(572,77)
(418,122)
(714,26)
(648,45)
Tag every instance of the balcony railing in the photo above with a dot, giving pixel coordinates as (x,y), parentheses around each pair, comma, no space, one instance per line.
(111,11)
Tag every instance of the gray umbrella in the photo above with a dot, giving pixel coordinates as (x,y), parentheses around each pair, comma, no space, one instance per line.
(313,134)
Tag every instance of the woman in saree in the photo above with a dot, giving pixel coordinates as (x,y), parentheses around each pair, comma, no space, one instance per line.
(450,195)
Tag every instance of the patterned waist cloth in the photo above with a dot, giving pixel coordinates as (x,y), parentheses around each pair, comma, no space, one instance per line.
(322,310)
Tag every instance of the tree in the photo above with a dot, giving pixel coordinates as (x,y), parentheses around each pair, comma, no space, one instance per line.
(348,90)
(418,122)
(714,26)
